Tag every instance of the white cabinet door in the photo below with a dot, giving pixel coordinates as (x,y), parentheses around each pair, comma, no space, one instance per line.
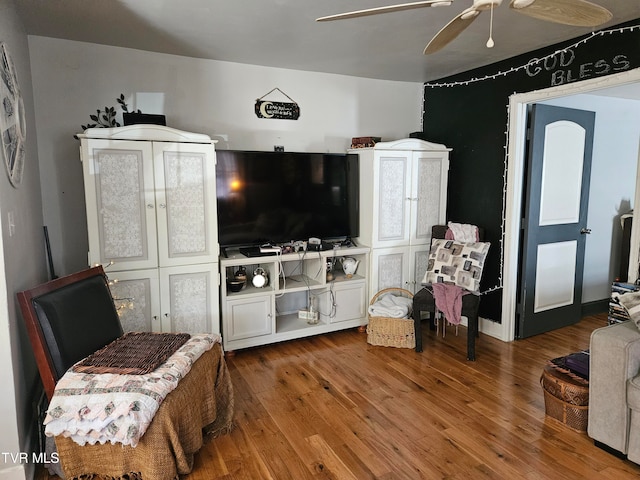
(248,317)
(398,267)
(429,175)
(136,294)
(410,196)
(392,199)
(179,299)
(390,268)
(350,301)
(186,203)
(120,203)
(190,299)
(419,256)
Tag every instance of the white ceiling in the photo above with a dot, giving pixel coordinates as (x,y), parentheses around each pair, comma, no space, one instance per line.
(283,33)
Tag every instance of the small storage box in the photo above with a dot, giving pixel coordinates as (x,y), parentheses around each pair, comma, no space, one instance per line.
(566,397)
(389,331)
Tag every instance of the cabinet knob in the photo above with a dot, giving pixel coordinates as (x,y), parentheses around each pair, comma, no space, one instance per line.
(149,205)
(163,205)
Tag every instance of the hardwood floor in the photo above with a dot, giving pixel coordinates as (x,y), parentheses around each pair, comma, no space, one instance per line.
(334,407)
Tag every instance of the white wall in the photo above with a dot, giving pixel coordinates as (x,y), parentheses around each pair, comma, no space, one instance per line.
(613,182)
(22,265)
(73,79)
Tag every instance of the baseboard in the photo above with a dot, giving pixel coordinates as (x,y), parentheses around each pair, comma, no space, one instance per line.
(596,307)
(491,328)
(16,472)
(494,329)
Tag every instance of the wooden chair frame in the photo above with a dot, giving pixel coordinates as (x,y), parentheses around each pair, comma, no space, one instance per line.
(41,349)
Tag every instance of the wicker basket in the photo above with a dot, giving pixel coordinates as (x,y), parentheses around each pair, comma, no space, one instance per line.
(134,353)
(566,398)
(388,331)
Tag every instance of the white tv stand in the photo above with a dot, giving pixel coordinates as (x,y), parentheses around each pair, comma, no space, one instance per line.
(259,316)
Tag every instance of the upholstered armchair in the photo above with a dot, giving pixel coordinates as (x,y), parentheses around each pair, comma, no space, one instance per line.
(69,319)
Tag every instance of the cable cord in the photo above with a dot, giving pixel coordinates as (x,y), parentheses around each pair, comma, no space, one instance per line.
(281,272)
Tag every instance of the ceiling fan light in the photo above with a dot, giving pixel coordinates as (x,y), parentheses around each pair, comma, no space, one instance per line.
(521,3)
(469,14)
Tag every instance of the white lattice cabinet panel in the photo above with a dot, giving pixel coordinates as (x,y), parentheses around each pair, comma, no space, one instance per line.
(403,194)
(261,315)
(186,206)
(430,173)
(389,268)
(120,203)
(149,203)
(398,267)
(172,299)
(391,209)
(136,294)
(190,298)
(419,256)
(150,195)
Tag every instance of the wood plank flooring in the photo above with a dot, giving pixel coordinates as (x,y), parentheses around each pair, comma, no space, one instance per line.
(334,407)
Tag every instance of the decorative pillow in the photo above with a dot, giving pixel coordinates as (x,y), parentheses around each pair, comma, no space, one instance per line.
(459,263)
(631,302)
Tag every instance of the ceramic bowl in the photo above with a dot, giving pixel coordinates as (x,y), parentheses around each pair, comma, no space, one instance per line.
(235,285)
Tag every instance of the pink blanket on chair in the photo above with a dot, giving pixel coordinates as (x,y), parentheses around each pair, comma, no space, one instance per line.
(448,298)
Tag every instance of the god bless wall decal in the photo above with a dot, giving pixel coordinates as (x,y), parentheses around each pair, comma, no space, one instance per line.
(277,110)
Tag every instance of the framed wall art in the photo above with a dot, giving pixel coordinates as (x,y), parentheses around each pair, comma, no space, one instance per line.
(12,118)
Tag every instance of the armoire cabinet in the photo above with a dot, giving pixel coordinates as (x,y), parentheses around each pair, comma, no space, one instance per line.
(403,193)
(151,210)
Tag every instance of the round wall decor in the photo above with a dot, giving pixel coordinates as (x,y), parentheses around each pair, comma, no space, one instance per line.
(12,118)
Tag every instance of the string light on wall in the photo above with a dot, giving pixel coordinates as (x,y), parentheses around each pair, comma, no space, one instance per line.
(533,61)
(529,66)
(121,303)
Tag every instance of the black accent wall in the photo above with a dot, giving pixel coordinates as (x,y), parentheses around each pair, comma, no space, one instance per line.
(471,117)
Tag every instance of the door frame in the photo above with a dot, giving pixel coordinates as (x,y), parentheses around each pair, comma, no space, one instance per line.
(516,153)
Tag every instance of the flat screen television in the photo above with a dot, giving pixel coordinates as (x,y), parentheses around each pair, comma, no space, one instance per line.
(278,197)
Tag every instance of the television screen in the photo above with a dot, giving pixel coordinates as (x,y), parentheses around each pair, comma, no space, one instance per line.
(279,197)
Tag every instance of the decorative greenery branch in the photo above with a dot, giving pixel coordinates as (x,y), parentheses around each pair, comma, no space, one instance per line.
(107,118)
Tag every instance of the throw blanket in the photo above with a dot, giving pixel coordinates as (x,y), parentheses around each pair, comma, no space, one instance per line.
(100,408)
(448,300)
(392,306)
(448,297)
(462,232)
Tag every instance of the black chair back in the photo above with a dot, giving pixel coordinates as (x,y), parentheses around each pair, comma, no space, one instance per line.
(68,319)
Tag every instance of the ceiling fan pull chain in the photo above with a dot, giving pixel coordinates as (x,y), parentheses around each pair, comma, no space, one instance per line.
(490,42)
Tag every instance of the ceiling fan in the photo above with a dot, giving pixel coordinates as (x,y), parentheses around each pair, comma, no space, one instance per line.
(581,13)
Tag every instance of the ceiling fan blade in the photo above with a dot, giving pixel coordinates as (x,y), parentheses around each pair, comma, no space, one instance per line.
(451,30)
(391,8)
(580,13)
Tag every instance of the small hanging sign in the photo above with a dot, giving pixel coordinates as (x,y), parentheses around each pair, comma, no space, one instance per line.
(277,110)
